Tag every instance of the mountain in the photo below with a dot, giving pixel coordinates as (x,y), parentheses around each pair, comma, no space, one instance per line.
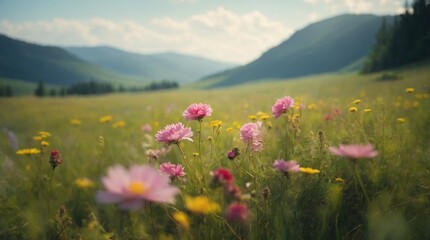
(330,45)
(168,66)
(31,62)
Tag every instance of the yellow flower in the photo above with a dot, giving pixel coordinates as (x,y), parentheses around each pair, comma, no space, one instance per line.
(182,219)
(75,122)
(296,116)
(357,101)
(84,182)
(309,170)
(264,116)
(105,119)
(118,124)
(201,205)
(401,120)
(44,134)
(196,154)
(28,151)
(339,180)
(44,143)
(353,109)
(312,106)
(269,125)
(37,138)
(409,90)
(230,129)
(367,110)
(215,123)
(252,117)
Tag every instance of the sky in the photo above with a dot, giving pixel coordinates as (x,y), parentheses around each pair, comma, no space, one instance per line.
(235,31)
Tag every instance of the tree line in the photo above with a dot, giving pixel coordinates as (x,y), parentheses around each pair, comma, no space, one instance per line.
(6,91)
(405,41)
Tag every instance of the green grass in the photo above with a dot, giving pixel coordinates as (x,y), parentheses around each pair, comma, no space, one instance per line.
(302,206)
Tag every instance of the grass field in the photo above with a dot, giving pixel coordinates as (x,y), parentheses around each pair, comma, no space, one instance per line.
(385,197)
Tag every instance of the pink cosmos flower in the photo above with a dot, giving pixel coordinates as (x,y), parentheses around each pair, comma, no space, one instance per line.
(250,133)
(130,188)
(282,105)
(172,170)
(174,133)
(354,151)
(197,111)
(286,166)
(237,212)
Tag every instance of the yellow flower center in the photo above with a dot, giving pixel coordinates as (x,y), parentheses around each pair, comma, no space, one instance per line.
(137,188)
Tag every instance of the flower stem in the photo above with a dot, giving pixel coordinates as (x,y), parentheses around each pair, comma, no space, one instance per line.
(49,191)
(360,181)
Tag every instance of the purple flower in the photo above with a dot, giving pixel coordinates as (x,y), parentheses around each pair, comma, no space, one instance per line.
(354,151)
(237,212)
(197,111)
(130,188)
(174,133)
(250,133)
(282,105)
(172,170)
(286,166)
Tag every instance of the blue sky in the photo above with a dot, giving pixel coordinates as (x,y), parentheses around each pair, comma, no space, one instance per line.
(234,31)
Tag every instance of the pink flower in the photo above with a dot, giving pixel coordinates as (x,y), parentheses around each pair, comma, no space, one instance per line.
(286,166)
(197,111)
(237,212)
(354,151)
(250,133)
(130,188)
(174,133)
(222,176)
(282,105)
(172,170)
(146,128)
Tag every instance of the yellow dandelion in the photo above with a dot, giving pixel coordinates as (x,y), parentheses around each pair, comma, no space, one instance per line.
(84,182)
(119,124)
(75,122)
(28,151)
(264,117)
(182,219)
(357,101)
(44,134)
(37,138)
(309,170)
(252,117)
(401,120)
(367,110)
(409,90)
(44,143)
(215,123)
(339,180)
(260,113)
(230,129)
(196,154)
(201,205)
(353,109)
(105,119)
(312,106)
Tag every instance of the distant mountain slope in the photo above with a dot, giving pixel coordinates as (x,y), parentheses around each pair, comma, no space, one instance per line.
(54,65)
(326,46)
(168,66)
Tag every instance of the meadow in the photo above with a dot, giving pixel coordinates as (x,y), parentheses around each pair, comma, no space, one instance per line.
(386,196)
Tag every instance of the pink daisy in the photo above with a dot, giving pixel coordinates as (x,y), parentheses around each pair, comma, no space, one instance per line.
(197,111)
(174,133)
(286,166)
(282,105)
(354,151)
(172,170)
(130,188)
(250,133)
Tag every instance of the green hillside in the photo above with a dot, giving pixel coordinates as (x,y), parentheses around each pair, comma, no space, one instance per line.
(164,66)
(326,46)
(30,62)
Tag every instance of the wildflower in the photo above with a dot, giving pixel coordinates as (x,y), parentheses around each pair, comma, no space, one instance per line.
(269,125)
(119,124)
(28,151)
(230,129)
(131,187)
(232,154)
(367,110)
(196,154)
(409,90)
(252,117)
(84,182)
(146,128)
(357,101)
(352,109)
(201,205)
(232,192)
(250,134)
(215,123)
(197,111)
(264,116)
(309,171)
(401,120)
(354,151)
(44,143)
(174,133)
(282,105)
(55,159)
(172,170)
(105,119)
(237,212)
(222,177)
(312,106)
(286,166)
(339,180)
(37,138)
(44,134)
(182,219)
(75,122)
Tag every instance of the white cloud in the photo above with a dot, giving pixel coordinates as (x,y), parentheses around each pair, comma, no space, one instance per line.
(358,6)
(217,34)
(313,16)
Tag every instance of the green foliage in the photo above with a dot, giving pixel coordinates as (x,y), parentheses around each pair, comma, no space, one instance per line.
(300,206)
(40,90)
